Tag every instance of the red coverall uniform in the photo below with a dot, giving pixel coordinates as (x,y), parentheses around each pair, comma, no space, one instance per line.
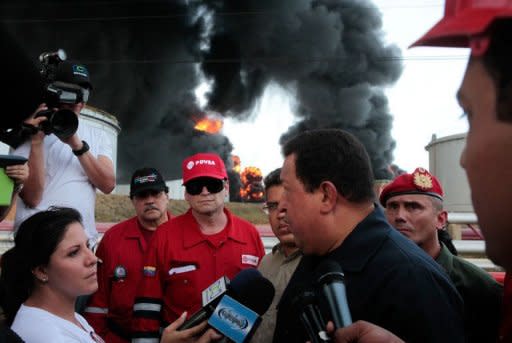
(109,310)
(182,262)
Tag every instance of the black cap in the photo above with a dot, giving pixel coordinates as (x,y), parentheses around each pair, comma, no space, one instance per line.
(74,73)
(147,179)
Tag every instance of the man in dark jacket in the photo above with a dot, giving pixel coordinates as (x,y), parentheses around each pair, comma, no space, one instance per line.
(329,203)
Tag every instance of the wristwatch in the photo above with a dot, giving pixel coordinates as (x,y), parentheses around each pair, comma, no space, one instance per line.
(82,150)
(17,188)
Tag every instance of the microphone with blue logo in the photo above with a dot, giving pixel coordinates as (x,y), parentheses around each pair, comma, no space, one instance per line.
(248,288)
(238,314)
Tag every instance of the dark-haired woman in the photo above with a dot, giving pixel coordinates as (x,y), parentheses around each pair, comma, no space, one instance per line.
(49,266)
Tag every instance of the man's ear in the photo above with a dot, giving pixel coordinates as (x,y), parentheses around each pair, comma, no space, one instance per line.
(329,195)
(442,219)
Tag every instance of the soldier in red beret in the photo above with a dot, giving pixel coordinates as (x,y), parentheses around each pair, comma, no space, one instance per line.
(414,206)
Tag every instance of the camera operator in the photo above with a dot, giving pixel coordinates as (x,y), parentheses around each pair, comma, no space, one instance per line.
(65,170)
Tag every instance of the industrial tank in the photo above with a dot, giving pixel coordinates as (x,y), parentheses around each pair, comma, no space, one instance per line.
(444,157)
(104,121)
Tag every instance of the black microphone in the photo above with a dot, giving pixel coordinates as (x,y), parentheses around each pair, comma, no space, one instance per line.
(243,288)
(306,305)
(238,315)
(331,283)
(210,298)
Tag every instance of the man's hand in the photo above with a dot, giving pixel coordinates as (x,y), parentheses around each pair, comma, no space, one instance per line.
(172,335)
(363,332)
(38,137)
(18,172)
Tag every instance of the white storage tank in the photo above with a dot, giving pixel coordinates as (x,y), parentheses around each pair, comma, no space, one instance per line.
(106,122)
(444,157)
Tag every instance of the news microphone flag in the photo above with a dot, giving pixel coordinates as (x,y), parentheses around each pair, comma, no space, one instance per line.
(215,290)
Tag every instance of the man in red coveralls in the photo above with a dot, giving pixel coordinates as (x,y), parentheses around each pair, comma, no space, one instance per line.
(122,251)
(484,26)
(193,250)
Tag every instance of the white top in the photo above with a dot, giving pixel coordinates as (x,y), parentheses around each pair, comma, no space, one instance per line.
(66,183)
(35,325)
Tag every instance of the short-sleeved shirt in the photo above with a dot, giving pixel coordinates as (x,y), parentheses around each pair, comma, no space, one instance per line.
(35,325)
(66,183)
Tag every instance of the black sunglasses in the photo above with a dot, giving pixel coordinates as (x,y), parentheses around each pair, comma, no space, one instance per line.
(195,187)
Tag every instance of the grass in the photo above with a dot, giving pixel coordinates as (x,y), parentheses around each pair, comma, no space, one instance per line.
(115,208)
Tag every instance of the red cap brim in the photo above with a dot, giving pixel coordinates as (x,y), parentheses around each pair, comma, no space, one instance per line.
(456,31)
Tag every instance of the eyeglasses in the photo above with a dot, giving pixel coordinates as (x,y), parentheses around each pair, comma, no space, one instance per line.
(196,186)
(270,206)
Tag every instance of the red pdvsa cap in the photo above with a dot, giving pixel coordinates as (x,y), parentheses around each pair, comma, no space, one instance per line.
(465,23)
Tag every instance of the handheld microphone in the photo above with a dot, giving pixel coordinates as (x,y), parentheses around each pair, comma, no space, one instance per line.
(238,317)
(311,318)
(331,282)
(239,287)
(210,298)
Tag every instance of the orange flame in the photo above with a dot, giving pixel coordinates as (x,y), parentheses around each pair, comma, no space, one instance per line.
(236,164)
(252,186)
(209,125)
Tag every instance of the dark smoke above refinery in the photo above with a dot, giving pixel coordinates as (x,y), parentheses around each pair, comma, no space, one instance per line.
(146,58)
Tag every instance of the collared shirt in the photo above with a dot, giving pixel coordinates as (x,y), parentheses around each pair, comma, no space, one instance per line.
(121,250)
(182,262)
(390,282)
(278,268)
(482,296)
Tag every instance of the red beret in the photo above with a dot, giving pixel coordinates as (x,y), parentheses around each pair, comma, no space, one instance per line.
(419,182)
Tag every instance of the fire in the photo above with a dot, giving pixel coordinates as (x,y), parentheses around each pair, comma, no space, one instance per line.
(252,185)
(236,164)
(209,125)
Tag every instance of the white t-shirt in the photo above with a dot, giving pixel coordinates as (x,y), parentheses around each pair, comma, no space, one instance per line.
(35,325)
(66,183)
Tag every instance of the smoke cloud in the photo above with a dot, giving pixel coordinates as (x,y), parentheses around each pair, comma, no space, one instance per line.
(147,58)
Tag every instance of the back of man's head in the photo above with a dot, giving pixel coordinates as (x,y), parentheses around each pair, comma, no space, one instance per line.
(332,155)
(273,179)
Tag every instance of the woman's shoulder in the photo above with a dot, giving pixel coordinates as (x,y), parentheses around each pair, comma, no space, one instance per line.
(35,325)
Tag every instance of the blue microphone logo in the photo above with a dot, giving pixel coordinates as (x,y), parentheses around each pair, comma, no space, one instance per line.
(232,318)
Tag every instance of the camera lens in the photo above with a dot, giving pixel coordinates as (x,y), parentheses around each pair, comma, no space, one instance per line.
(64,123)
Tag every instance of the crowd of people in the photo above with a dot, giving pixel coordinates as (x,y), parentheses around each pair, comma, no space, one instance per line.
(144,280)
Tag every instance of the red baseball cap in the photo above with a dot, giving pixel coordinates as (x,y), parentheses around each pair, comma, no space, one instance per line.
(463,21)
(203,165)
(419,182)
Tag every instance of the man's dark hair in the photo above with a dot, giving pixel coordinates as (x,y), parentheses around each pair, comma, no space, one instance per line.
(498,62)
(273,179)
(332,155)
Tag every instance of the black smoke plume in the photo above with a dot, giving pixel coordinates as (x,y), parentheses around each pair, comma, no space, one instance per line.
(146,59)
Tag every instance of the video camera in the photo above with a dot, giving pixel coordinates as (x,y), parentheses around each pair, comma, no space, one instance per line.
(64,83)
